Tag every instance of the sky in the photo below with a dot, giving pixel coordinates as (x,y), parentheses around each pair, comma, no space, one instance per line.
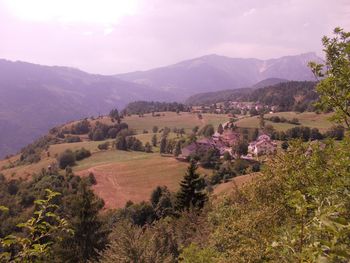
(117,36)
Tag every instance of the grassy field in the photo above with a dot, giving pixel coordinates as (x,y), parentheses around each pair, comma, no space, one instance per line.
(123,176)
(173,120)
(309,119)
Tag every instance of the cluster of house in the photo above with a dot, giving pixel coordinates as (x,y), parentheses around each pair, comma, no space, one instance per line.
(225,141)
(230,105)
(222,142)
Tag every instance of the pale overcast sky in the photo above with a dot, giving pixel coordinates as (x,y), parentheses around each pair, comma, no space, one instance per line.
(115,36)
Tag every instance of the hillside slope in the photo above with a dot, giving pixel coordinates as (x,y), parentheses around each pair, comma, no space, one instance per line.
(288,96)
(241,94)
(35,98)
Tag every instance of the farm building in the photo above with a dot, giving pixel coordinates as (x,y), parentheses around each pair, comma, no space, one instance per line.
(263,145)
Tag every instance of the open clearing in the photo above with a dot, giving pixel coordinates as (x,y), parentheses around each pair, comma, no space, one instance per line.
(172,120)
(309,119)
(123,176)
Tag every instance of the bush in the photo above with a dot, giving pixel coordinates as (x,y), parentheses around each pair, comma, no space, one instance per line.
(103,146)
(67,158)
(240,166)
(72,139)
(92,179)
(97,135)
(256,167)
(148,147)
(82,154)
(336,132)
(112,133)
(81,127)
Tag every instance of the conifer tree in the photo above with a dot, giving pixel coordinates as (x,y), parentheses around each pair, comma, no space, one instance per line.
(191,193)
(163,143)
(148,147)
(154,140)
(89,233)
(120,143)
(220,129)
(177,150)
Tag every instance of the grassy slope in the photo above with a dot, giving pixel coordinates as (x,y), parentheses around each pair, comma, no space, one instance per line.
(171,119)
(121,175)
(309,119)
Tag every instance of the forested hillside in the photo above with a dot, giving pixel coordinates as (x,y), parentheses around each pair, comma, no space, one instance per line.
(35,98)
(141,107)
(288,96)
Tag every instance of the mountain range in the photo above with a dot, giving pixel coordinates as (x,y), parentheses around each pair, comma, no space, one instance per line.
(213,72)
(35,98)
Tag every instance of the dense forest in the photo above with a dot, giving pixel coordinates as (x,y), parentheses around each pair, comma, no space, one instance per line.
(142,107)
(219,96)
(288,96)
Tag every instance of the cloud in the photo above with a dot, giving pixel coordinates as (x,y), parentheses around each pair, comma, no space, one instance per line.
(249,12)
(93,36)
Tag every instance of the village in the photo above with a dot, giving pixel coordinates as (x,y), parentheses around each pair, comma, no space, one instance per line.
(226,140)
(237,107)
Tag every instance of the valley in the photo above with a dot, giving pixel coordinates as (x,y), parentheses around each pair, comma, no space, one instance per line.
(123,176)
(174,131)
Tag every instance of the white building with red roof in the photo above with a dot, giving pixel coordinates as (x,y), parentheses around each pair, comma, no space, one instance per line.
(263,145)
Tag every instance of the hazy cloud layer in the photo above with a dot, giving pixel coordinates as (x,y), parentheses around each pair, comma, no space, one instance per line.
(110,36)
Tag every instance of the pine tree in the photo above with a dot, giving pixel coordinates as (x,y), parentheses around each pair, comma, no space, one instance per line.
(261,121)
(114,114)
(163,143)
(89,234)
(177,150)
(154,140)
(120,143)
(191,193)
(148,147)
(220,129)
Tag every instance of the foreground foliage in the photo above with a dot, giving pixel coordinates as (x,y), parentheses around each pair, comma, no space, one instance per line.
(297,211)
(40,232)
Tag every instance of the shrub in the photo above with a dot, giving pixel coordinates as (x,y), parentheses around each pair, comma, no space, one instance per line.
(103,146)
(240,166)
(72,139)
(92,179)
(148,147)
(97,135)
(336,132)
(82,154)
(67,158)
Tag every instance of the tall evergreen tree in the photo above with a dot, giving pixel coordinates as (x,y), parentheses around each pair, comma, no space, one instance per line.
(163,144)
(261,121)
(89,237)
(120,143)
(114,114)
(177,150)
(154,140)
(191,193)
(220,129)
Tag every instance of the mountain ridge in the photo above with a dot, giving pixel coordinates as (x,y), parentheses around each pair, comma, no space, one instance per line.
(227,73)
